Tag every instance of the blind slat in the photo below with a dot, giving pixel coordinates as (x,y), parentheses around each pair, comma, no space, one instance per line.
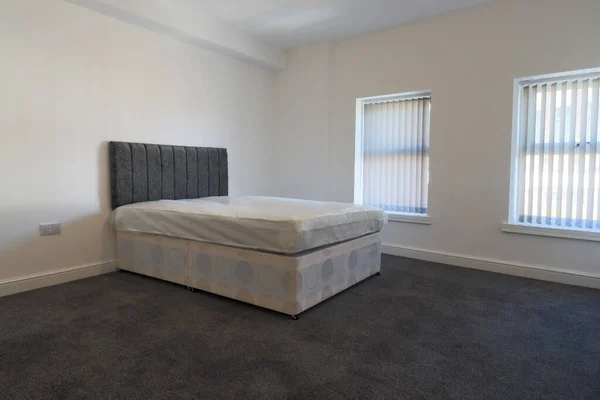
(396,159)
(524,111)
(425,164)
(582,150)
(408,171)
(593,149)
(540,138)
(571,149)
(402,166)
(419,156)
(413,158)
(550,202)
(560,144)
(531,118)
(371,173)
(384,143)
(378,144)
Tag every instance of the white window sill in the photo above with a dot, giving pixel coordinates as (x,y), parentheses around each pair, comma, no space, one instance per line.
(409,218)
(566,233)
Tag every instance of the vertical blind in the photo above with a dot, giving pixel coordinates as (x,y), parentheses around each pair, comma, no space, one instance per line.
(395,157)
(559,165)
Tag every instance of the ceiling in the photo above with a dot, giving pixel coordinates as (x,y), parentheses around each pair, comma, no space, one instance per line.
(293,23)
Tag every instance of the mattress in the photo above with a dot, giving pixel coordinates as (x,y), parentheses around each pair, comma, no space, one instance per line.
(279,225)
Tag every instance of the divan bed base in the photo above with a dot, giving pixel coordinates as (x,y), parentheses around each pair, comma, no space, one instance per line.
(288,284)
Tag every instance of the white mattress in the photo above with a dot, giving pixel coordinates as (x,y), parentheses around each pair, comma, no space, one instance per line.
(272,224)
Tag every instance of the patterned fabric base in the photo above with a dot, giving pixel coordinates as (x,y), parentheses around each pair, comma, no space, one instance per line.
(288,284)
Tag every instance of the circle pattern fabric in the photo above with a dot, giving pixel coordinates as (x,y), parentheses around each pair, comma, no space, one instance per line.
(352,280)
(245,296)
(352,260)
(244,272)
(158,256)
(297,307)
(312,276)
(326,293)
(327,270)
(223,268)
(175,259)
(126,250)
(203,264)
(266,278)
(372,251)
(287,282)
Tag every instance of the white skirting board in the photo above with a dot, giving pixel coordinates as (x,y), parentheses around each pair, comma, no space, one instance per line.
(36,281)
(498,266)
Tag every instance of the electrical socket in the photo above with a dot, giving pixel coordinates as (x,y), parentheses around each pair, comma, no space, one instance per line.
(50,229)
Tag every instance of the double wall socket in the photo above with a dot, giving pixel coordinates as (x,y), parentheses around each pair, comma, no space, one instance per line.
(50,229)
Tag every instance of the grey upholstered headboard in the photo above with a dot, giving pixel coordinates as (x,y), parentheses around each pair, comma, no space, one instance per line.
(148,172)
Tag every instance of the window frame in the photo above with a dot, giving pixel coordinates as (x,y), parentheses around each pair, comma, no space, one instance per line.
(513,225)
(413,218)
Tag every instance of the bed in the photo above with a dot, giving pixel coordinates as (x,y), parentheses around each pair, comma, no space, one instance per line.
(175,221)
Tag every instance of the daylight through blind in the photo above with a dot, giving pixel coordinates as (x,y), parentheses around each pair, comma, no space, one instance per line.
(396,155)
(559,166)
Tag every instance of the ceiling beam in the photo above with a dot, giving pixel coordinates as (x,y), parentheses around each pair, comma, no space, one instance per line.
(193,29)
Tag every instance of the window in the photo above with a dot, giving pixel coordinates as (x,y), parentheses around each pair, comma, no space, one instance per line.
(392,154)
(556,166)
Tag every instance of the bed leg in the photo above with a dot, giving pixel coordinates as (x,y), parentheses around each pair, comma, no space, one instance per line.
(378,273)
(191,289)
(295,317)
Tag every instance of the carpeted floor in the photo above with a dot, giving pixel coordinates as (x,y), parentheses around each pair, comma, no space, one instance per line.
(419,331)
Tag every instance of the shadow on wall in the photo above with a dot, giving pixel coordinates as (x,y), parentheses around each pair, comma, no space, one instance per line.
(84,239)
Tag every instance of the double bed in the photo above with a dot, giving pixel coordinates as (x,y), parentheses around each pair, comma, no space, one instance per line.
(175,221)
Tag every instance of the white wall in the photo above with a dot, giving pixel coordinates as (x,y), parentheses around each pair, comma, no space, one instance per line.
(302,123)
(469,60)
(71,80)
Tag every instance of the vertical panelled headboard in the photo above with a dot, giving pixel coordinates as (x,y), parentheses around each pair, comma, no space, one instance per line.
(148,172)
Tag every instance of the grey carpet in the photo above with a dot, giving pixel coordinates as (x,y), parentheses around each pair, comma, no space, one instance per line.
(419,331)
